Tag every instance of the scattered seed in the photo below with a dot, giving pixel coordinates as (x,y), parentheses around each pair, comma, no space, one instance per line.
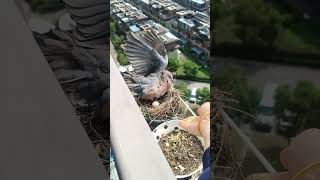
(184,153)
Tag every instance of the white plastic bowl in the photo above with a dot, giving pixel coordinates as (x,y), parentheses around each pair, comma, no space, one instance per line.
(167,127)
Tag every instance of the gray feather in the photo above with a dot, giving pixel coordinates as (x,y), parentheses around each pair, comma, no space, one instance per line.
(143,50)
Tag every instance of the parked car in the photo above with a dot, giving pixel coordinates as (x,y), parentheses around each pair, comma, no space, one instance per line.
(266,120)
(286,123)
(193,96)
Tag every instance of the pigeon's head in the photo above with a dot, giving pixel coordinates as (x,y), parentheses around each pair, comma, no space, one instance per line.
(167,77)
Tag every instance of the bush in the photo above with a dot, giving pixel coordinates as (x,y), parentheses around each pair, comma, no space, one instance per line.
(173,64)
(183,88)
(122,58)
(303,101)
(190,68)
(203,94)
(258,23)
(117,41)
(232,79)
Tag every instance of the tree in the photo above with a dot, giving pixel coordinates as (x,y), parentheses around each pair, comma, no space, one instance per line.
(183,88)
(231,79)
(122,58)
(303,101)
(304,95)
(173,64)
(282,98)
(258,23)
(117,41)
(113,28)
(203,94)
(190,68)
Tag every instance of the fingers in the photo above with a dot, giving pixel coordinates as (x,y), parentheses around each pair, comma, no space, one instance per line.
(191,127)
(184,124)
(284,158)
(204,110)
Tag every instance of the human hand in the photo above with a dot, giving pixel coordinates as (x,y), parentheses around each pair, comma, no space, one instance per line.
(199,125)
(302,152)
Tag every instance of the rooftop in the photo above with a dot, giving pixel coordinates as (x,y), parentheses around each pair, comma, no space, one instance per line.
(199,1)
(188,22)
(169,37)
(134,28)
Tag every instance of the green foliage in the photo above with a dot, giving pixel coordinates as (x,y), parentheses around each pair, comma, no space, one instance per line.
(303,98)
(232,79)
(113,27)
(44,6)
(117,41)
(203,94)
(186,50)
(122,58)
(183,88)
(258,23)
(173,64)
(190,68)
(303,101)
(282,98)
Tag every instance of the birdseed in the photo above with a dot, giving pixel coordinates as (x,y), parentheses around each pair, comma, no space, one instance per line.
(182,150)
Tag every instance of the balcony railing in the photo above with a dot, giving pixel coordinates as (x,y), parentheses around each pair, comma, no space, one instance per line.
(241,147)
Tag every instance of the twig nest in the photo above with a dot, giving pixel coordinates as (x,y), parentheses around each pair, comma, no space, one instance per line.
(164,108)
(155,104)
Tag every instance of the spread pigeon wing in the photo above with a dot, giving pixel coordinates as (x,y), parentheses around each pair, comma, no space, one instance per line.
(146,53)
(155,42)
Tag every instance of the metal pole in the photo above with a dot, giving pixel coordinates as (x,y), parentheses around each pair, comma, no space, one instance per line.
(251,146)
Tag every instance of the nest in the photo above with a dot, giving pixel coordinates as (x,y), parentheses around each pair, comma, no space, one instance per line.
(168,107)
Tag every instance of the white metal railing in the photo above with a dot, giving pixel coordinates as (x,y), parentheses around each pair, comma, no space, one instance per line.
(248,143)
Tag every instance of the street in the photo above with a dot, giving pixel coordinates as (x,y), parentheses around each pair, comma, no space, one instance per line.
(194,84)
(260,73)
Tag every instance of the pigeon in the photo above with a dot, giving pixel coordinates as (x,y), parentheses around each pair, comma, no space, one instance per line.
(147,54)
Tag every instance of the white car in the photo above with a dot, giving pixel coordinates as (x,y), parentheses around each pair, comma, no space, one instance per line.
(193,96)
(266,120)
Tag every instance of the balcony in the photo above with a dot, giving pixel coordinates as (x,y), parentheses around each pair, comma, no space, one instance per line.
(134,145)
(136,152)
(231,160)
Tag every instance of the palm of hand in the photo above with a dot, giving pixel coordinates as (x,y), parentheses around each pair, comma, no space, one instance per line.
(199,125)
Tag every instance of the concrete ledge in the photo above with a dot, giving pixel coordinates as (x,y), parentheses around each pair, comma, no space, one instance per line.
(137,154)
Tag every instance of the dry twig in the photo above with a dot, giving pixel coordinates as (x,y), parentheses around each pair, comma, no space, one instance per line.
(168,108)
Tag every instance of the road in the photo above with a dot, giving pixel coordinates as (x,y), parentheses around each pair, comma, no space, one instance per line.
(194,84)
(259,73)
